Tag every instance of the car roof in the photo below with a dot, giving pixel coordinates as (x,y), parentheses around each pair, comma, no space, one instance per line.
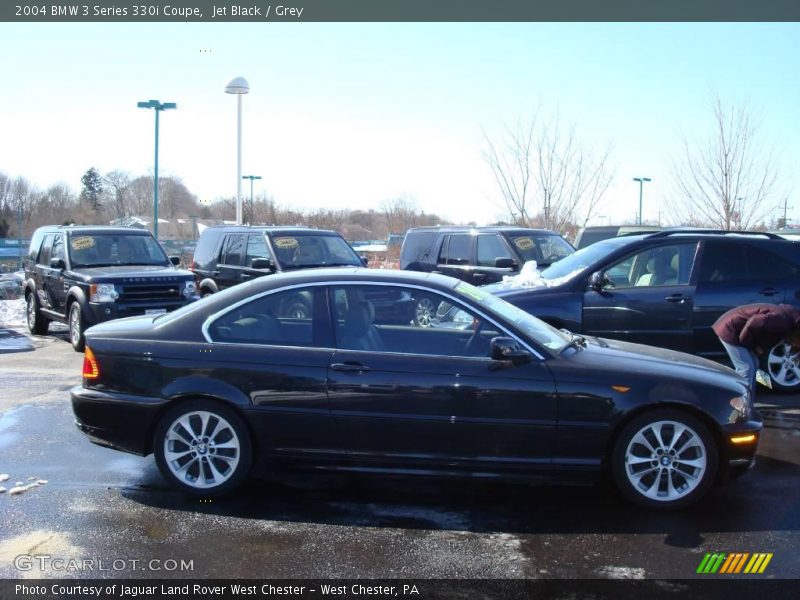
(96,229)
(284,229)
(483,229)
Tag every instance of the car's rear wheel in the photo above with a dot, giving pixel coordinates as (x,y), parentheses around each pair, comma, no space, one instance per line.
(76,327)
(664,459)
(37,324)
(424,311)
(783,365)
(203,448)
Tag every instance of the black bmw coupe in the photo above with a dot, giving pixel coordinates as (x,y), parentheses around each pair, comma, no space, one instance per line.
(236,383)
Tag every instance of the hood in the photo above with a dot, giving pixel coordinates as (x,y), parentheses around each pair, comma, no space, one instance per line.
(136,273)
(639,361)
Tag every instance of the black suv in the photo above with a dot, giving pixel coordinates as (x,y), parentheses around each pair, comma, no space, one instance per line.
(228,255)
(87,274)
(667,289)
(480,255)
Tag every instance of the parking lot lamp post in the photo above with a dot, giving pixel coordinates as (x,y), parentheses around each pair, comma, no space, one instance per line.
(251,178)
(641,181)
(158,107)
(238,86)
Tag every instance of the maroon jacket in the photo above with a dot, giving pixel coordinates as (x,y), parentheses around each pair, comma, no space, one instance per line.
(757,325)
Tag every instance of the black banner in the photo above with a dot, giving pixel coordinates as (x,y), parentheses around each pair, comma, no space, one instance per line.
(400,10)
(423,589)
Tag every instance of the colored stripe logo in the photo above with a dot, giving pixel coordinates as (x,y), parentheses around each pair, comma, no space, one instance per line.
(734,563)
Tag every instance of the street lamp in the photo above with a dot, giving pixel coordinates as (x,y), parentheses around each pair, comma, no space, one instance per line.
(158,106)
(238,86)
(641,181)
(251,178)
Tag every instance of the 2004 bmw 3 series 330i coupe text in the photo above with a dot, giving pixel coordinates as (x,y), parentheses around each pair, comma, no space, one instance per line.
(238,382)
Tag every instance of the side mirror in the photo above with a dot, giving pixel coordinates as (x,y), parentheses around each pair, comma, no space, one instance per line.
(365,260)
(57,263)
(262,263)
(597,281)
(505,262)
(175,260)
(506,348)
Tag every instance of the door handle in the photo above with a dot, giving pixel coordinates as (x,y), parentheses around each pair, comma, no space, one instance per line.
(479,275)
(768,292)
(676,298)
(350,367)
(245,276)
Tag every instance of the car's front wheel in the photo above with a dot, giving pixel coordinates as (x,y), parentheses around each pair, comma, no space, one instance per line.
(37,324)
(76,327)
(783,365)
(203,448)
(664,459)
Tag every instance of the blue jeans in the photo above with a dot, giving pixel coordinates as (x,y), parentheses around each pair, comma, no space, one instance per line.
(745,361)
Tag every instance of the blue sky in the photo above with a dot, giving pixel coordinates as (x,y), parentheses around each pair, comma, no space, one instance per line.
(350,115)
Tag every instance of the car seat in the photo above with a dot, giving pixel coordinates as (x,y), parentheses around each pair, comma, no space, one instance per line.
(359,332)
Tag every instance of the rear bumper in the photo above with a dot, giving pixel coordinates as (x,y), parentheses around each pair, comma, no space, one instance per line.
(121,421)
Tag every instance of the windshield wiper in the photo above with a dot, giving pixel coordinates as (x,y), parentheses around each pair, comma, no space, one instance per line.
(575,341)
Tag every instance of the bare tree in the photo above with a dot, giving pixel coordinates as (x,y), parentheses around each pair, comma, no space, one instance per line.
(546,177)
(118,185)
(725,180)
(402,213)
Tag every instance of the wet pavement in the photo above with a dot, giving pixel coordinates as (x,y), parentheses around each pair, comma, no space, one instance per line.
(104,506)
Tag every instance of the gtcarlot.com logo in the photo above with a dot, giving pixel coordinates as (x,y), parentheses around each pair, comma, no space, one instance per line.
(734,563)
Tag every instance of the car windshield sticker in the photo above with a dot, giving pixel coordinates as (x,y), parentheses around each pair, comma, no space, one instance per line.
(82,243)
(470,291)
(285,242)
(523,243)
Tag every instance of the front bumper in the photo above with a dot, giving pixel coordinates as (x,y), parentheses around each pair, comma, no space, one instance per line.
(738,458)
(99,312)
(121,421)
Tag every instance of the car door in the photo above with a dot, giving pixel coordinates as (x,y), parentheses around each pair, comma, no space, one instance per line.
(280,362)
(456,257)
(647,298)
(423,397)
(489,247)
(256,248)
(56,286)
(733,273)
(231,260)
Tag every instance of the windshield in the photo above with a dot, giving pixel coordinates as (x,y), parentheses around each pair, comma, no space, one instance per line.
(586,257)
(108,249)
(305,251)
(544,249)
(539,331)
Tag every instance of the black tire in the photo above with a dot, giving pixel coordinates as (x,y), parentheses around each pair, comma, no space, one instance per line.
(77,327)
(198,466)
(37,323)
(295,307)
(647,481)
(783,368)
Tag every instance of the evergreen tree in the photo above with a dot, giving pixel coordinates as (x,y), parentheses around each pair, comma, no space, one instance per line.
(92,188)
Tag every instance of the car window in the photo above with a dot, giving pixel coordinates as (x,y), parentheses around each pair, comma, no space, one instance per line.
(106,249)
(653,267)
(586,257)
(256,248)
(723,263)
(234,250)
(280,319)
(541,248)
(456,250)
(307,251)
(44,253)
(490,248)
(379,318)
(57,250)
(766,266)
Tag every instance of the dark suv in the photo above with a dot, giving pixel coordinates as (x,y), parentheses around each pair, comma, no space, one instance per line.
(229,255)
(87,274)
(667,289)
(480,255)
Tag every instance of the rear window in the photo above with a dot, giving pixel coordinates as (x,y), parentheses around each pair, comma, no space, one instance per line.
(417,247)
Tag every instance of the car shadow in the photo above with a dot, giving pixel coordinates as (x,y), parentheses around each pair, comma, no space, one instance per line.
(763,500)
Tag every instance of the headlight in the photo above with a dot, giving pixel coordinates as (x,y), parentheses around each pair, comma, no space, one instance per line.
(742,405)
(189,289)
(103,292)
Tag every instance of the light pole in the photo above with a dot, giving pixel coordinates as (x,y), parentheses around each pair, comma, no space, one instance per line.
(251,178)
(641,181)
(238,86)
(158,107)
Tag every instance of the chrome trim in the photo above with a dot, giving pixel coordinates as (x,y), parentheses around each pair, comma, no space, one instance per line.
(458,301)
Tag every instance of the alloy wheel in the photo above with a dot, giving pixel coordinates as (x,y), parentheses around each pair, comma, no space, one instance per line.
(424,312)
(783,365)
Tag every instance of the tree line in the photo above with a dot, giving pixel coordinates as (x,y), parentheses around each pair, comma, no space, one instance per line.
(117,194)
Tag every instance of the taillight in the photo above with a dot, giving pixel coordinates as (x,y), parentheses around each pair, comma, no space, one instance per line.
(91,370)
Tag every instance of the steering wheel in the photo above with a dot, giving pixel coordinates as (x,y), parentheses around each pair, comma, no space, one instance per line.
(476,344)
